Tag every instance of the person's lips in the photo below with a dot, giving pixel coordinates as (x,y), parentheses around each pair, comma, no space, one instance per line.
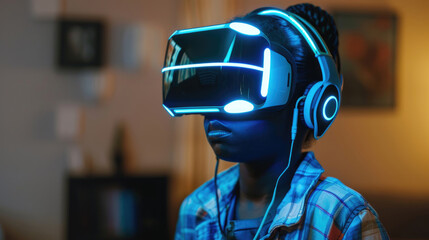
(217,131)
(218,134)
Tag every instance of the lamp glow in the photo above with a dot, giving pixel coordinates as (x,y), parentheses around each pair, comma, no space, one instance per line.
(196,110)
(216,64)
(324,107)
(239,106)
(266,73)
(168,110)
(245,28)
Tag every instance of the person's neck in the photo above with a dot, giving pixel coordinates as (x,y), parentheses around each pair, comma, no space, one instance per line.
(257,182)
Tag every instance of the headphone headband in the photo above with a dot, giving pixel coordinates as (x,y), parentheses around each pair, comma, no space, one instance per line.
(296,20)
(323,98)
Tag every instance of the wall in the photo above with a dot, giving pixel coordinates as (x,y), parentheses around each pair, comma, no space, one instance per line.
(32,158)
(137,99)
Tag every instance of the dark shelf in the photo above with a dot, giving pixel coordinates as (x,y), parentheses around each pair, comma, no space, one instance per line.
(117,207)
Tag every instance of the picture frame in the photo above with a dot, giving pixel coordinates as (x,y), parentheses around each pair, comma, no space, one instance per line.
(80,43)
(367,47)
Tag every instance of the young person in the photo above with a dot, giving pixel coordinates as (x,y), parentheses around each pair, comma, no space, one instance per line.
(276,191)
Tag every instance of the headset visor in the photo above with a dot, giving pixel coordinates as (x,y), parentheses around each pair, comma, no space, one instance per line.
(209,68)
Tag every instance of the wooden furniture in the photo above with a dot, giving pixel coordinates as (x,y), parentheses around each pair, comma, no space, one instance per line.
(117,208)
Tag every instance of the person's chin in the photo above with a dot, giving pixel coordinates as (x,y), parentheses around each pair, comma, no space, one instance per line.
(222,151)
(227,153)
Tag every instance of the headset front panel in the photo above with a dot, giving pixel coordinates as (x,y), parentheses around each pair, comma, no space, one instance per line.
(209,69)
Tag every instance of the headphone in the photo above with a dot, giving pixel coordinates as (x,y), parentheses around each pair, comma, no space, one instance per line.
(322,99)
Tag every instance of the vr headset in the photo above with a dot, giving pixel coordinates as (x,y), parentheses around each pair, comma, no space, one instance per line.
(234,68)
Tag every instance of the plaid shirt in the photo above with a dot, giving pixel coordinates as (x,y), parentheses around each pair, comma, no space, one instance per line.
(315,207)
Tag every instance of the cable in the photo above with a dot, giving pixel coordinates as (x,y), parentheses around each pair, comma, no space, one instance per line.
(293,134)
(273,198)
(217,200)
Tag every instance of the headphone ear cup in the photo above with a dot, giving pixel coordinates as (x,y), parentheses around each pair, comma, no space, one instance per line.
(326,108)
(311,95)
(301,103)
(320,107)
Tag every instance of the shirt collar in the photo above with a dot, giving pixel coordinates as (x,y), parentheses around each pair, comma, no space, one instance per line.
(290,210)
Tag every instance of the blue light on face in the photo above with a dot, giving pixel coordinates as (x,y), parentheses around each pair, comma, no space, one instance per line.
(244,28)
(196,110)
(168,110)
(239,106)
(324,107)
(216,64)
(266,74)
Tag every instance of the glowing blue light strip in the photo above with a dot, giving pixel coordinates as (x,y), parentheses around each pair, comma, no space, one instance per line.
(196,110)
(266,73)
(228,54)
(216,64)
(296,24)
(168,110)
(200,29)
(314,31)
(324,107)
